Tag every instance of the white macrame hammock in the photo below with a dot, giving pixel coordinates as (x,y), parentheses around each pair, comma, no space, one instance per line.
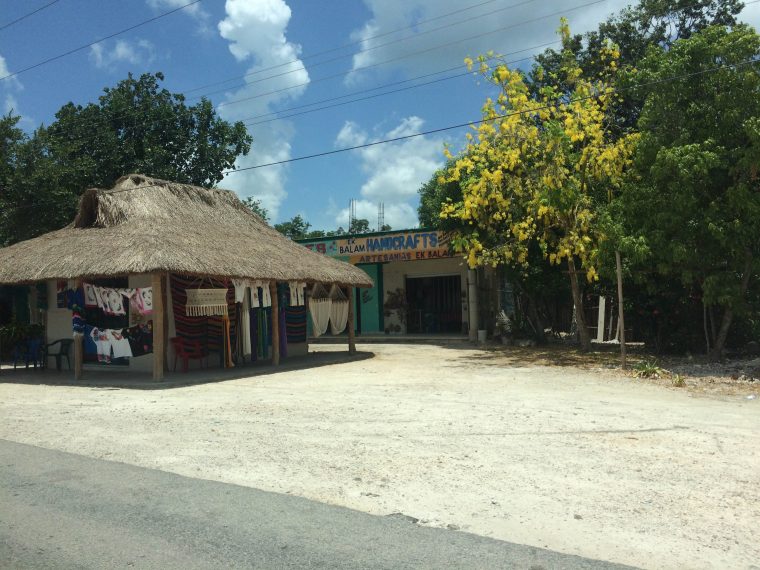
(338,310)
(319,309)
(206,302)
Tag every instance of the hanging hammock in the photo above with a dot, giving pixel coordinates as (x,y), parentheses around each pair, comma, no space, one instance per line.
(338,310)
(319,308)
(206,302)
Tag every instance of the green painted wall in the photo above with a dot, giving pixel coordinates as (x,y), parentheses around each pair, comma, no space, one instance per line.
(371,301)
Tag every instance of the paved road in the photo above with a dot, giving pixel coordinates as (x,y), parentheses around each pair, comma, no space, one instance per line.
(59,510)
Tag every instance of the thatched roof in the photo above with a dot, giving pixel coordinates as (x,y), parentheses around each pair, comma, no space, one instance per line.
(144,225)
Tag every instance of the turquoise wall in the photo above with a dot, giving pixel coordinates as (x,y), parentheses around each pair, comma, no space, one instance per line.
(371,300)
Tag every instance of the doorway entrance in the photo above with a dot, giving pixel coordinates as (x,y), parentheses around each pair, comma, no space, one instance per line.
(435,304)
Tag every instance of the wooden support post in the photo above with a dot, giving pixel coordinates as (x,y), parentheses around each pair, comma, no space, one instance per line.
(78,347)
(275,323)
(621,320)
(159,345)
(351,339)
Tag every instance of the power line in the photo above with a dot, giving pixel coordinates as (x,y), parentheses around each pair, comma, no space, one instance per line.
(384,93)
(461,125)
(25,16)
(344,46)
(427,50)
(374,47)
(128,114)
(80,48)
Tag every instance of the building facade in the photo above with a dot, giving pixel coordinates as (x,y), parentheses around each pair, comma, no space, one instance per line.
(420,287)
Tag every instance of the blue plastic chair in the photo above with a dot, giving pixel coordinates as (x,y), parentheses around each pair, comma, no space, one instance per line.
(30,351)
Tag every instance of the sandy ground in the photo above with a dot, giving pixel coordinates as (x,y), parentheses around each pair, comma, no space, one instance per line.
(583,461)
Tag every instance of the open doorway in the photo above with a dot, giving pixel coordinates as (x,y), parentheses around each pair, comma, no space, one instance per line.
(435,304)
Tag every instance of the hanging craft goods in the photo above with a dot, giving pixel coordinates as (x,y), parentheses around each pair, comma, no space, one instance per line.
(206,302)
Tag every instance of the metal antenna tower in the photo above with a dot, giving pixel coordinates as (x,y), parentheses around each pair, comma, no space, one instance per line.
(380,216)
(351,214)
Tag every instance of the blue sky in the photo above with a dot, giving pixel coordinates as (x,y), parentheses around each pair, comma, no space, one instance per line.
(273,51)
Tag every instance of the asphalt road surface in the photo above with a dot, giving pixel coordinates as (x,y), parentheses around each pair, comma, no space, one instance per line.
(59,510)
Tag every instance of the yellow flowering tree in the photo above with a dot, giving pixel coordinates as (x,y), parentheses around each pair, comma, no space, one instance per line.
(538,167)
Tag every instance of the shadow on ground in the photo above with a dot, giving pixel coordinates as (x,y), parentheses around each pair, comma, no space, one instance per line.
(130,379)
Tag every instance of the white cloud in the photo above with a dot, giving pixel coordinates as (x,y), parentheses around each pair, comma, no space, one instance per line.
(751,15)
(137,52)
(256,30)
(196,10)
(542,19)
(8,88)
(395,171)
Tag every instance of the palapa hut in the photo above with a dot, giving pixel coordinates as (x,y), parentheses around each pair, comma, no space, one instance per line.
(180,241)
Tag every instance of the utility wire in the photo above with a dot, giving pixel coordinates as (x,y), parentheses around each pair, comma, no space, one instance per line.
(499,57)
(365,50)
(406,56)
(344,46)
(376,95)
(496,118)
(25,16)
(468,124)
(80,48)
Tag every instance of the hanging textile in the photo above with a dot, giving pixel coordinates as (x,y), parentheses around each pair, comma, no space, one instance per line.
(228,363)
(301,292)
(255,304)
(206,302)
(240,286)
(338,310)
(319,308)
(295,324)
(141,300)
(283,334)
(266,296)
(254,319)
(245,326)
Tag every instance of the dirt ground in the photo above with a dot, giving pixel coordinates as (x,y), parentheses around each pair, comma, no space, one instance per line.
(537,447)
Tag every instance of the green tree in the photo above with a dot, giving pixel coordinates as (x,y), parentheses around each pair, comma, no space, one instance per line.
(633,30)
(696,205)
(256,207)
(537,171)
(295,228)
(359,226)
(136,126)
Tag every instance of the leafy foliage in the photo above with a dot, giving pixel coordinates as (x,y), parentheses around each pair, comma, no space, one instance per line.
(537,169)
(136,126)
(696,203)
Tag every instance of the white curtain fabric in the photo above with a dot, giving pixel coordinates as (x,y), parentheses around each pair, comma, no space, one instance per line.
(255,294)
(245,324)
(266,296)
(338,316)
(320,315)
(240,287)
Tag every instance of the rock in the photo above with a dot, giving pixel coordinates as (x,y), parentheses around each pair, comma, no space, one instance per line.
(577,517)
(452,526)
(403,517)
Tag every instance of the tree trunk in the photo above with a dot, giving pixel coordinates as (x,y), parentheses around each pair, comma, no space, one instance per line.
(728,315)
(580,318)
(533,316)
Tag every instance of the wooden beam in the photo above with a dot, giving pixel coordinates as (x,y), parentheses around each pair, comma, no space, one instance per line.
(159,345)
(351,340)
(78,346)
(275,323)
